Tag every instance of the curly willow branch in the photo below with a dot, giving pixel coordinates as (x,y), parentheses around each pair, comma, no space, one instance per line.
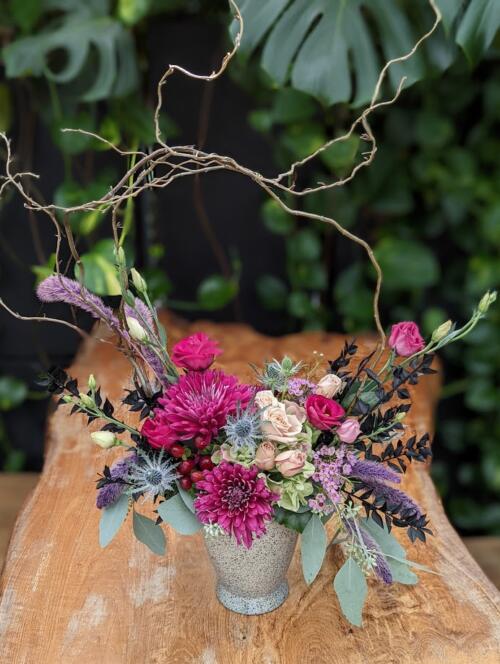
(165,164)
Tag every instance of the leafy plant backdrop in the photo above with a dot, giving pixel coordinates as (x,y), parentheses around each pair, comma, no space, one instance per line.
(428,204)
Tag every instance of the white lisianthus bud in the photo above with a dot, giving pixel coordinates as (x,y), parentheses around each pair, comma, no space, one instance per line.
(86,400)
(120,256)
(400,417)
(442,331)
(486,301)
(91,382)
(104,439)
(138,281)
(136,330)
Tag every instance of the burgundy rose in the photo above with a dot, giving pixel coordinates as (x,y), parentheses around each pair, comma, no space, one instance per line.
(323,413)
(196,352)
(406,339)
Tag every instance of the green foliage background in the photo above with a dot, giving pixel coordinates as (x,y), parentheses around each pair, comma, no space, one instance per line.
(430,203)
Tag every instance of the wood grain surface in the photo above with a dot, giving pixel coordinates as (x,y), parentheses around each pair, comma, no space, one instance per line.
(63,600)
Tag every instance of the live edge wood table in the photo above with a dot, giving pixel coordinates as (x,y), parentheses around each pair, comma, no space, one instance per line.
(64,600)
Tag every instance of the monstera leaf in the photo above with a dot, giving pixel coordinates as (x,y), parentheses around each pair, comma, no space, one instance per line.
(327,48)
(80,29)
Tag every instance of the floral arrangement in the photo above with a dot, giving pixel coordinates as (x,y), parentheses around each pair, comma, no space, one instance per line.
(305,444)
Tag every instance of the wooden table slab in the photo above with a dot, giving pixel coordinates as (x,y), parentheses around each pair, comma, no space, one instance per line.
(63,600)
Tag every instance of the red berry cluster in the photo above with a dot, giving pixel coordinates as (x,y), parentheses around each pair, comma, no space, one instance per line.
(191,468)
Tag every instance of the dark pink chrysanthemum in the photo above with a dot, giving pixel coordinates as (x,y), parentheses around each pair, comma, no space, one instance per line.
(197,406)
(237,500)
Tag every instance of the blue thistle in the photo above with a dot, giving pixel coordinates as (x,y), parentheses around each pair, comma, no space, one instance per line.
(243,429)
(151,475)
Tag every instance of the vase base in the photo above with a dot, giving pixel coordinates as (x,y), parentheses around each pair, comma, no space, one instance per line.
(252,606)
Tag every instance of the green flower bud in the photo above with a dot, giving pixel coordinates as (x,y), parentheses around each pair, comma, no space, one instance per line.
(104,439)
(400,417)
(138,281)
(120,256)
(129,298)
(86,400)
(136,330)
(442,331)
(486,301)
(67,398)
(91,382)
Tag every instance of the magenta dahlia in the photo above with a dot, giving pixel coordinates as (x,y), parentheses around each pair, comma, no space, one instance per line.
(197,407)
(236,499)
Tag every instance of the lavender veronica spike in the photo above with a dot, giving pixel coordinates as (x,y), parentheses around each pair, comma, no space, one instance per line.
(109,493)
(140,312)
(61,289)
(371,471)
(394,497)
(381,567)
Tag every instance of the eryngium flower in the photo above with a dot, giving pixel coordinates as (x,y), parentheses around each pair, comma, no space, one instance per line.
(243,429)
(151,476)
(198,405)
(237,500)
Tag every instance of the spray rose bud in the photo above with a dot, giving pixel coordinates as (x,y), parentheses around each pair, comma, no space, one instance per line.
(442,331)
(265,455)
(328,386)
(138,281)
(349,430)
(136,330)
(91,382)
(486,301)
(86,400)
(104,439)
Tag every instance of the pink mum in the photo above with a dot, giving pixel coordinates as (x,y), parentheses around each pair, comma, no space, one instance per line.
(237,500)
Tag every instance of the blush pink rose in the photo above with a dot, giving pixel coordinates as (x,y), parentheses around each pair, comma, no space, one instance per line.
(265,456)
(196,352)
(290,463)
(349,430)
(323,413)
(406,339)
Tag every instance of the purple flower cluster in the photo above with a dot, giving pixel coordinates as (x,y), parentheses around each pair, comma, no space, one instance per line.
(332,465)
(320,505)
(381,567)
(300,388)
(110,492)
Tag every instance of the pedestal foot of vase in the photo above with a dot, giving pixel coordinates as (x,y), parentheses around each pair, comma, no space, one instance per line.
(252,606)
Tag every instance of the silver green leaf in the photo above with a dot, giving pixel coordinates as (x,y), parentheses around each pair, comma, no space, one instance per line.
(111,520)
(351,588)
(313,543)
(149,533)
(187,498)
(394,552)
(174,512)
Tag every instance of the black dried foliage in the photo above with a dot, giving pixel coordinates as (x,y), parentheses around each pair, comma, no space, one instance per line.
(139,402)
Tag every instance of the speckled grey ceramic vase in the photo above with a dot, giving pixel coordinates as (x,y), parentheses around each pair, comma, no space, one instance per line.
(253,581)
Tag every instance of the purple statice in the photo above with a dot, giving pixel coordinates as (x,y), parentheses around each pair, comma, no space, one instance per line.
(371,471)
(300,388)
(380,565)
(332,466)
(112,490)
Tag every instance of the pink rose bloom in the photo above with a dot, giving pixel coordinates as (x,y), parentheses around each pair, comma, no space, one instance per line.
(323,413)
(349,430)
(406,339)
(290,463)
(265,455)
(196,352)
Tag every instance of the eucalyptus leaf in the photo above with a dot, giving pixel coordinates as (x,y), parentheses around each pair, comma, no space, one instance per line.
(111,520)
(392,549)
(149,533)
(187,498)
(174,512)
(313,543)
(351,588)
